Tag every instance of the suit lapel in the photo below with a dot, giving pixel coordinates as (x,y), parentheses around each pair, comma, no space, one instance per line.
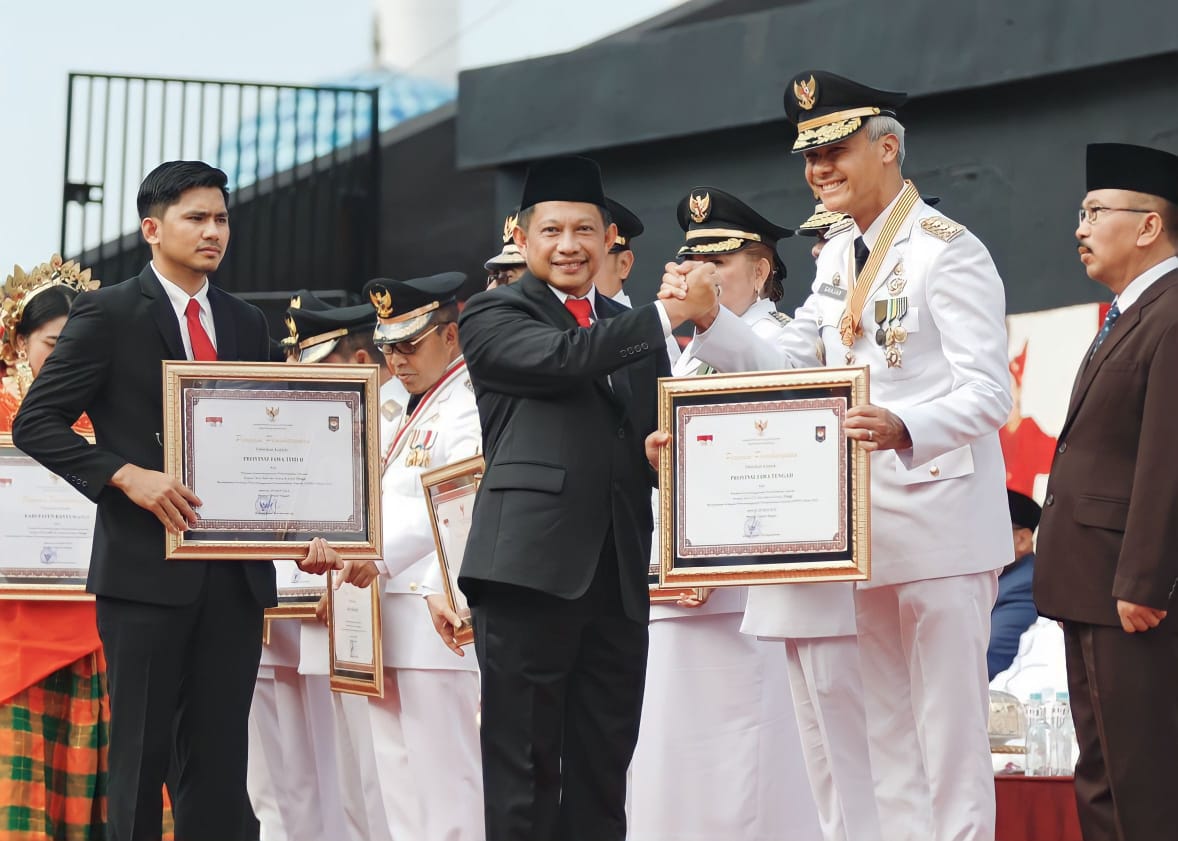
(162,313)
(1121,329)
(224,323)
(556,314)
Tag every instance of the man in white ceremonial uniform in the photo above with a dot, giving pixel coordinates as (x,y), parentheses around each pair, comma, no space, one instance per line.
(295,744)
(717,726)
(424,731)
(916,298)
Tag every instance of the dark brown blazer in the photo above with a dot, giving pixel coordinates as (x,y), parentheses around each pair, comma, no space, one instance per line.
(1110,517)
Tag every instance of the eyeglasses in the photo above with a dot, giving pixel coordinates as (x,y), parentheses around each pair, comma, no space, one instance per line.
(1091,214)
(503,276)
(410,347)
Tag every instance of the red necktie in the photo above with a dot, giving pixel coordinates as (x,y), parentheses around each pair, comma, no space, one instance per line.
(580,309)
(202,346)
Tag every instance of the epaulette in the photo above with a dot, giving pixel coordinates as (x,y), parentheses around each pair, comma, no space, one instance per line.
(942,228)
(844,224)
(781,317)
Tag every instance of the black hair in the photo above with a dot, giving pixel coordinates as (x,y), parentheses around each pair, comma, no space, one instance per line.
(349,344)
(45,306)
(164,185)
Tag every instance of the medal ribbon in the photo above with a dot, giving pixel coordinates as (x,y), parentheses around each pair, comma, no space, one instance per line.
(849,323)
(457,366)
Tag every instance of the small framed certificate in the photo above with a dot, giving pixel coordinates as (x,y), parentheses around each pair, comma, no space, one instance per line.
(298,592)
(762,485)
(277,454)
(355,664)
(46,529)
(449,494)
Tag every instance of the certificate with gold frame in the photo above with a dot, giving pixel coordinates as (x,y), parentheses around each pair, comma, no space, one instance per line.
(760,484)
(449,494)
(278,454)
(355,662)
(298,592)
(46,529)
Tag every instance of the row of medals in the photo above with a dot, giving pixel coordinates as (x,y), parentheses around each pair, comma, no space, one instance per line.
(890,333)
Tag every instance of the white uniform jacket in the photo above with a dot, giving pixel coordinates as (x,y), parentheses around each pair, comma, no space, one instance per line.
(444,428)
(938,509)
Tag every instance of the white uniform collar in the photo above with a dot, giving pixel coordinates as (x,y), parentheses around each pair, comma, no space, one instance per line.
(871,235)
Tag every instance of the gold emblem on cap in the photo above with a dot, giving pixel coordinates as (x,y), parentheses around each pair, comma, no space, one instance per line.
(509,227)
(382,300)
(700,207)
(292,328)
(296,302)
(806,93)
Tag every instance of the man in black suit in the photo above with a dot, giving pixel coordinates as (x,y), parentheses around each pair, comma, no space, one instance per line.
(555,566)
(182,638)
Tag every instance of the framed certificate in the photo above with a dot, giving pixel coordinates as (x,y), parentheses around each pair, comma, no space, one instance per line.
(355,664)
(278,454)
(46,529)
(298,592)
(763,485)
(449,494)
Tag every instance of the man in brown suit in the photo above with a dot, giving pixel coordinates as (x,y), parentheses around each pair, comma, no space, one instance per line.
(1108,540)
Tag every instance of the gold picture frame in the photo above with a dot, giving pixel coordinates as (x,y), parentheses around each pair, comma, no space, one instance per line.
(64,529)
(745,516)
(273,471)
(449,495)
(355,674)
(298,592)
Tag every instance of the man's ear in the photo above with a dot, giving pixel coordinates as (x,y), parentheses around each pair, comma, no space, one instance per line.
(362,357)
(889,146)
(520,236)
(1151,229)
(625,264)
(150,228)
(611,235)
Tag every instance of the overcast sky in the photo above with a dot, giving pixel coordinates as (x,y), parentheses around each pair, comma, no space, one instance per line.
(295,41)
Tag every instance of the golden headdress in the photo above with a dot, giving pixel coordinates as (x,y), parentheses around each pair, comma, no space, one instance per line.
(21,287)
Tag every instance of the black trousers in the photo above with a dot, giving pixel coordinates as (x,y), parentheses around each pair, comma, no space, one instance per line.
(562,686)
(181,680)
(1124,695)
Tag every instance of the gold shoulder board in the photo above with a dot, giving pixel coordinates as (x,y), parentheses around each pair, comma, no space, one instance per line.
(942,228)
(839,226)
(782,317)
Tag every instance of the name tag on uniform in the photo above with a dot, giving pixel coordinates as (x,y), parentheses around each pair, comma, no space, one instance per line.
(836,292)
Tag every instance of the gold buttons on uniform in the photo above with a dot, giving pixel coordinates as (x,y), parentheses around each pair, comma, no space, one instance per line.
(934,471)
(413,587)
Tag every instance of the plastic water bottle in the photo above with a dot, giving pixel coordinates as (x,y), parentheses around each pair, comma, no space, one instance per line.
(1065,748)
(1039,741)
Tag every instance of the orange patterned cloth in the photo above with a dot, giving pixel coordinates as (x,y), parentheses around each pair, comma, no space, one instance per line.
(38,638)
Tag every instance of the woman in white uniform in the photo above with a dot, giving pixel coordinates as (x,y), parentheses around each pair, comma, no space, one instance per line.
(718,752)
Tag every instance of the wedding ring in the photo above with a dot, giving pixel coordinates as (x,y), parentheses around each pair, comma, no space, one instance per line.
(871,435)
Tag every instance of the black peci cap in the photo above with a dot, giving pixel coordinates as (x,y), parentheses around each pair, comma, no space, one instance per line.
(1123,166)
(1024,511)
(571,178)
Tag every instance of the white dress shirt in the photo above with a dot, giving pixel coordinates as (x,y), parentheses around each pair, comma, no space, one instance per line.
(1143,281)
(591,297)
(179,299)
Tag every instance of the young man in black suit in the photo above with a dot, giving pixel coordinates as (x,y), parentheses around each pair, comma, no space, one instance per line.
(182,638)
(555,566)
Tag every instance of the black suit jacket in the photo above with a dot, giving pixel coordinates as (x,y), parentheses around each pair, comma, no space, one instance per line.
(107,364)
(563,444)
(1109,528)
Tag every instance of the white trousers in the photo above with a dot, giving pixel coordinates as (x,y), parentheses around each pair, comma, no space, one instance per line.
(426,739)
(922,649)
(828,701)
(360,790)
(718,754)
(290,773)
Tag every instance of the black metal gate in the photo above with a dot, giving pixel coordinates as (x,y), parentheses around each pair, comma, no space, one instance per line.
(303,165)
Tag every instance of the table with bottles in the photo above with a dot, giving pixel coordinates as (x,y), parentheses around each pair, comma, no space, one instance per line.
(1040,804)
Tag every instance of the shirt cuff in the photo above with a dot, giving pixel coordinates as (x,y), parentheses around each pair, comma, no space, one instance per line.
(664,319)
